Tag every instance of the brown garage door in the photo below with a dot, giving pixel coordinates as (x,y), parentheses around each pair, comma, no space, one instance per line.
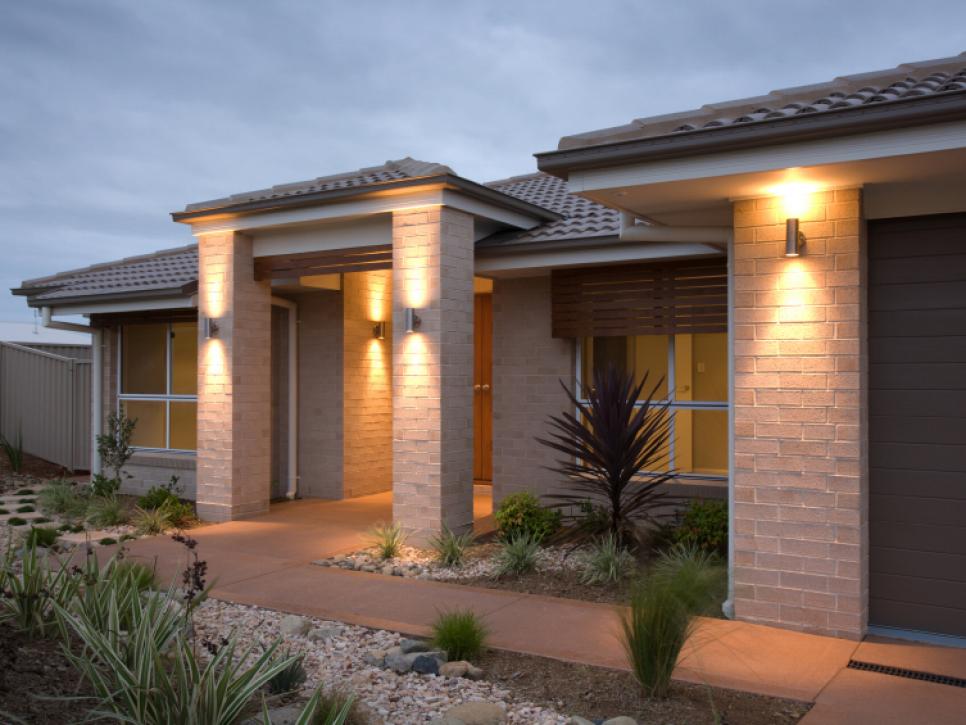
(917,423)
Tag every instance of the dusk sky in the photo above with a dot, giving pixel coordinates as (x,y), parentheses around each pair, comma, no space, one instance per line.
(113,114)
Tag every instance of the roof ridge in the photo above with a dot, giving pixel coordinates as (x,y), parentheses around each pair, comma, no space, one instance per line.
(61,276)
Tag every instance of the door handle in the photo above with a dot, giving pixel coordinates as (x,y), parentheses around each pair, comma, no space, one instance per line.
(485,387)
(476,388)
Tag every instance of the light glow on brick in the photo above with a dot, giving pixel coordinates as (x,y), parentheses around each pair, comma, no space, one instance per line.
(796,197)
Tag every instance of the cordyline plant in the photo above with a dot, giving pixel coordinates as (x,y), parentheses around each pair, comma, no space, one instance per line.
(611,439)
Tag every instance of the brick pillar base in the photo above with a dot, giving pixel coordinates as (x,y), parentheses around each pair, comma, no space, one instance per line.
(234,381)
(432,451)
(801,493)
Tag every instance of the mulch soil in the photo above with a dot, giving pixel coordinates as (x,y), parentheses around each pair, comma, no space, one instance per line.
(597,693)
(33,466)
(564,584)
(34,673)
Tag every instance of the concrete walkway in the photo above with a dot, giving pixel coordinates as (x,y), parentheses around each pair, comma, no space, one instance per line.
(265,562)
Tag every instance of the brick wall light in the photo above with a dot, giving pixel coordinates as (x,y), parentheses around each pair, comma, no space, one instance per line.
(379,330)
(209,327)
(413,320)
(794,238)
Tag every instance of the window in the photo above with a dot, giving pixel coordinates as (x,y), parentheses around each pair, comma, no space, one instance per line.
(694,368)
(159,383)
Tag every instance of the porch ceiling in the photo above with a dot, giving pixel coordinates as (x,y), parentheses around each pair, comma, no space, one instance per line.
(361,259)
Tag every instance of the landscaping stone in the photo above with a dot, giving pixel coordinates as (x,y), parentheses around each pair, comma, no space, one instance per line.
(413,645)
(475,713)
(294,625)
(321,634)
(428,663)
(454,669)
(620,720)
(376,658)
(387,569)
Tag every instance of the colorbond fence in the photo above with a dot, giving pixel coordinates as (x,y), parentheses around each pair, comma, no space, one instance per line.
(47,397)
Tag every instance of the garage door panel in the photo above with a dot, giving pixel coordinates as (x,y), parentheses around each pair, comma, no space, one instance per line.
(917,403)
(912,563)
(922,296)
(917,423)
(946,268)
(918,537)
(937,349)
(916,376)
(931,484)
(918,456)
(912,507)
(921,429)
(897,324)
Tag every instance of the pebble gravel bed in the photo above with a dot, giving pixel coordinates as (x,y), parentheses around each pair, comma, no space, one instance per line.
(337,660)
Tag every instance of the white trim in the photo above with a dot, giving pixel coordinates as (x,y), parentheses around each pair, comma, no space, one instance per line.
(844,149)
(728,606)
(372,231)
(94,308)
(97,396)
(293,393)
(609,254)
(476,207)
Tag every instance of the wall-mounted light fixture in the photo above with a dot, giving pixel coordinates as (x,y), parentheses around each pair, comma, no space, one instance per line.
(209,327)
(794,238)
(413,320)
(379,331)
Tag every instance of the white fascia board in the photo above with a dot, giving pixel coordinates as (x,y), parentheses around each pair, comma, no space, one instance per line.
(94,308)
(610,254)
(860,147)
(483,209)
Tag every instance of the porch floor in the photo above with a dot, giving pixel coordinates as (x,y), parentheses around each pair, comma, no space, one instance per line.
(266,561)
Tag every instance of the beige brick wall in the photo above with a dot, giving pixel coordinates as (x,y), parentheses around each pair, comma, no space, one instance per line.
(433,371)
(320,394)
(367,416)
(528,365)
(801,484)
(234,381)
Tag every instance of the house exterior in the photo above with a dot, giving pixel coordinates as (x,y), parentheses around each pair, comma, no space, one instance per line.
(791,264)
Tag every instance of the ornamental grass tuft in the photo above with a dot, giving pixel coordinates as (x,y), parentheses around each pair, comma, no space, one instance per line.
(387,540)
(461,634)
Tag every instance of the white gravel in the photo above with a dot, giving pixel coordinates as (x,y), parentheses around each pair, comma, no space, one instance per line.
(338,662)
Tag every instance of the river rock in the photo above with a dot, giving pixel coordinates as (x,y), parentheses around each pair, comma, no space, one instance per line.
(294,625)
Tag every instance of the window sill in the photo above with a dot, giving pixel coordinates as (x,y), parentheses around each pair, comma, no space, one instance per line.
(168,459)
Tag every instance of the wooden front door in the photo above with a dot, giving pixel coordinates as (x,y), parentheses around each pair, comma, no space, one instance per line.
(483,389)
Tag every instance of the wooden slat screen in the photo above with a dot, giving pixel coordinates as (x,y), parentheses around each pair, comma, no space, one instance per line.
(641,299)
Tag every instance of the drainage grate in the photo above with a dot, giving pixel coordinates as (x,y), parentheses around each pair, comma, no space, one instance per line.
(908,674)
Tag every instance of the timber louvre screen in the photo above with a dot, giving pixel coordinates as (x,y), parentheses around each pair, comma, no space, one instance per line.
(641,299)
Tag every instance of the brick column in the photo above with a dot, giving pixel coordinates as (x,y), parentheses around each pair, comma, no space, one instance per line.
(433,371)
(234,381)
(801,482)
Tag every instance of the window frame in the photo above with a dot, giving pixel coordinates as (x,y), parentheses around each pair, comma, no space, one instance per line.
(673,405)
(168,397)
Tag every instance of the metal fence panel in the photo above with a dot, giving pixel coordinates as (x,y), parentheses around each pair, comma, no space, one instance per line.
(46,398)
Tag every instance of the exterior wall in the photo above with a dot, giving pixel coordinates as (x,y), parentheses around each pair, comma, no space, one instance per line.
(367,391)
(432,371)
(800,479)
(149,469)
(234,381)
(528,365)
(320,394)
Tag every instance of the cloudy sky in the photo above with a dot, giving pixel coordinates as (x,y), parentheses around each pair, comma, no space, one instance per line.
(115,113)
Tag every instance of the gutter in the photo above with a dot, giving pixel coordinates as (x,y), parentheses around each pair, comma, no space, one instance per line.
(888,115)
(446,181)
(633,231)
(97,378)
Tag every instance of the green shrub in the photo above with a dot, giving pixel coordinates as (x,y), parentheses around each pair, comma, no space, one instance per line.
(104,487)
(606,561)
(451,548)
(24,492)
(334,703)
(13,451)
(62,498)
(42,537)
(25,509)
(704,525)
(170,515)
(32,595)
(107,541)
(683,583)
(460,634)
(72,528)
(521,513)
(387,540)
(141,576)
(698,578)
(114,448)
(3,511)
(106,511)
(27,500)
(16,521)
(158,496)
(517,555)
(290,678)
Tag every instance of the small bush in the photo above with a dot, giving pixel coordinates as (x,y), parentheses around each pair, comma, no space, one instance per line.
(517,555)
(25,509)
(699,579)
(106,511)
(16,521)
(13,451)
(40,520)
(460,634)
(158,496)
(24,492)
(451,548)
(32,595)
(521,513)
(606,561)
(387,540)
(42,537)
(337,707)
(3,511)
(72,528)
(27,500)
(104,487)
(142,576)
(170,515)
(290,678)
(107,541)
(62,498)
(704,525)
